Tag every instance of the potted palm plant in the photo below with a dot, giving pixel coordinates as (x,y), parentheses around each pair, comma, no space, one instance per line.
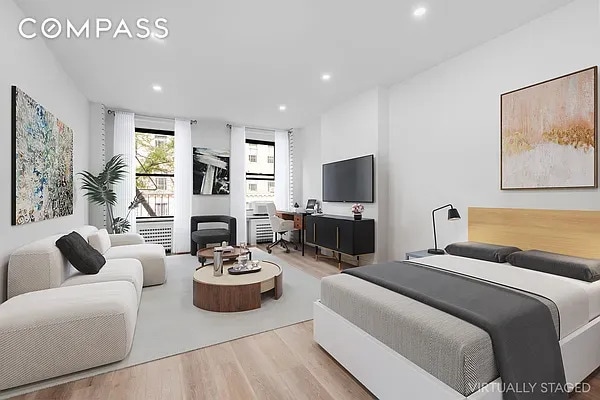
(99,190)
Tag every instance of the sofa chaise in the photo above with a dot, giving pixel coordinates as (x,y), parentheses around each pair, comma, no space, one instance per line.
(58,321)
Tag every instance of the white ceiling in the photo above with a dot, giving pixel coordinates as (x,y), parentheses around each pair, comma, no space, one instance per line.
(238,60)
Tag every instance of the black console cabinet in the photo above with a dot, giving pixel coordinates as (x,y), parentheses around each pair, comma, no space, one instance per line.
(341,234)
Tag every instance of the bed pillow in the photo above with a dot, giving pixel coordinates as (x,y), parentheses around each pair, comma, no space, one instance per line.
(584,269)
(481,251)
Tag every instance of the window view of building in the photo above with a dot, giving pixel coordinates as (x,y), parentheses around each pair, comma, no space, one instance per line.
(155,172)
(260,171)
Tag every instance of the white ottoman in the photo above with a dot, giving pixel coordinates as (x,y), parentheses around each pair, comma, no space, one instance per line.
(58,331)
(151,255)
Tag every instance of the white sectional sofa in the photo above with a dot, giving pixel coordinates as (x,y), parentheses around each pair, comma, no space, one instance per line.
(131,245)
(58,321)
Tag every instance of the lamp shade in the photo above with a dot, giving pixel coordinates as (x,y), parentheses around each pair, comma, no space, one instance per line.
(453,214)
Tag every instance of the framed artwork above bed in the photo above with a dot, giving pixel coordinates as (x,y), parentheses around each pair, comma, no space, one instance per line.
(549,134)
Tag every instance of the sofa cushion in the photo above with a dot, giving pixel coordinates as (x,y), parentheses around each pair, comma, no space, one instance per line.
(151,255)
(124,269)
(38,265)
(214,235)
(100,241)
(80,254)
(59,331)
(86,230)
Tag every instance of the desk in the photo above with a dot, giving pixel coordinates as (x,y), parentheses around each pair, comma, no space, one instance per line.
(299,225)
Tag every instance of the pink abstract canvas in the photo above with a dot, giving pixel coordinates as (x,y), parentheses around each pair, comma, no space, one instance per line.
(548,134)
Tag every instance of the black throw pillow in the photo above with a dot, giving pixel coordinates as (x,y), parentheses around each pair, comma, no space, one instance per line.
(78,251)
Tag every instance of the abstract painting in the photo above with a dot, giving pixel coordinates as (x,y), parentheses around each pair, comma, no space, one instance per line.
(211,171)
(549,134)
(42,162)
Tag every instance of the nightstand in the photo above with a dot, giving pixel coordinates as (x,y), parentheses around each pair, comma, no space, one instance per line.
(417,254)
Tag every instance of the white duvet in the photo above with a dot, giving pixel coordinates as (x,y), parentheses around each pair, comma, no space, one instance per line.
(578,302)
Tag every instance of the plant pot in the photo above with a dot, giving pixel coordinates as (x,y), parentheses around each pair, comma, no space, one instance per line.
(357,217)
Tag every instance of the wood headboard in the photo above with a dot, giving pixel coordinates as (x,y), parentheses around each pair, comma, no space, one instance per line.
(575,233)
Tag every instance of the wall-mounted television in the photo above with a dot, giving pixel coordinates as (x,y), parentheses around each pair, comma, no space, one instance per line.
(349,180)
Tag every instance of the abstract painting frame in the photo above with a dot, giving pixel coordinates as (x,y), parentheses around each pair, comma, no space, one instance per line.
(211,171)
(42,162)
(549,134)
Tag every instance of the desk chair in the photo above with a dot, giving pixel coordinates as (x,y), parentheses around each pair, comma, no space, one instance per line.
(279,226)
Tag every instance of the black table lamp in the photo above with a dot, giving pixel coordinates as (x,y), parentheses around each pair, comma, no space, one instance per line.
(453,215)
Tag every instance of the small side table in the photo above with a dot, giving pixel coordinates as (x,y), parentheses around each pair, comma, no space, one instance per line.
(417,254)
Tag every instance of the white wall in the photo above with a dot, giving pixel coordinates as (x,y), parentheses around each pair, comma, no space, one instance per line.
(213,134)
(31,66)
(355,128)
(351,130)
(445,133)
(307,162)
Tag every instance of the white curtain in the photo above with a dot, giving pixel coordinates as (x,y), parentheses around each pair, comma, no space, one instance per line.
(237,180)
(124,143)
(282,170)
(183,186)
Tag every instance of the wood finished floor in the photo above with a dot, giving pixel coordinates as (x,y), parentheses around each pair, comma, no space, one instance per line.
(280,364)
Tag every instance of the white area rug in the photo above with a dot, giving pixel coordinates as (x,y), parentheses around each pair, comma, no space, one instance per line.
(168,323)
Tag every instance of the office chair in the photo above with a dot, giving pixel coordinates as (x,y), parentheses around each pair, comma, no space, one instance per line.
(278,226)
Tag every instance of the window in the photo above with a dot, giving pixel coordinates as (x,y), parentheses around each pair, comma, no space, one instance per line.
(155,172)
(161,183)
(252,152)
(260,170)
(161,140)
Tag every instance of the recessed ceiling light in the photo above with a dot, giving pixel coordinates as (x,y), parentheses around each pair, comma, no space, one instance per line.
(157,88)
(420,11)
(282,107)
(325,77)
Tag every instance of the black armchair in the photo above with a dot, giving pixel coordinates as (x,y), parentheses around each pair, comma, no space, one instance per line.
(202,237)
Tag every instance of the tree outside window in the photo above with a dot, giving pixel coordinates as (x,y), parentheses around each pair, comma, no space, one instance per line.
(155,172)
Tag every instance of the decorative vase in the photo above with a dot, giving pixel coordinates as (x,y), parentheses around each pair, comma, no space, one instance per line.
(358,216)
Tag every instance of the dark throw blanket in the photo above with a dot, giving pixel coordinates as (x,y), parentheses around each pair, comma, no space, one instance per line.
(523,335)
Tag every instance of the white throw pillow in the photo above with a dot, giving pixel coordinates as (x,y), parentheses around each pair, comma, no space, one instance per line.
(100,241)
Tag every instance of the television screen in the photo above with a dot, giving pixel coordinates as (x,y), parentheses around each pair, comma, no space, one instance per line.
(349,180)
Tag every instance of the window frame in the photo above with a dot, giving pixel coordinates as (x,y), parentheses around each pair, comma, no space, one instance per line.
(155,132)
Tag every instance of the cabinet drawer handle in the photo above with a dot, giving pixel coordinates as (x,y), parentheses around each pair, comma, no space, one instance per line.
(337,237)
(315,232)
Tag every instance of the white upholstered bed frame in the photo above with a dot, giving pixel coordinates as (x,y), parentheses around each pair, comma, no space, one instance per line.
(388,375)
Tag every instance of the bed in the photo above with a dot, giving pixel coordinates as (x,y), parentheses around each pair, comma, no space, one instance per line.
(400,348)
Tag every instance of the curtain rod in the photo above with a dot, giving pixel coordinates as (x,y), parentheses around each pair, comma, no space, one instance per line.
(256,128)
(192,121)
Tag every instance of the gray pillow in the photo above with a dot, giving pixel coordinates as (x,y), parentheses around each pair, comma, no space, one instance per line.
(584,269)
(481,251)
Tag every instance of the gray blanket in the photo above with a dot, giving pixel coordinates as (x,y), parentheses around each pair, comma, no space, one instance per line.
(523,335)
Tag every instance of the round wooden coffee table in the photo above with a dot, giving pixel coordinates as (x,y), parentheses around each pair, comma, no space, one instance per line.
(208,254)
(230,293)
